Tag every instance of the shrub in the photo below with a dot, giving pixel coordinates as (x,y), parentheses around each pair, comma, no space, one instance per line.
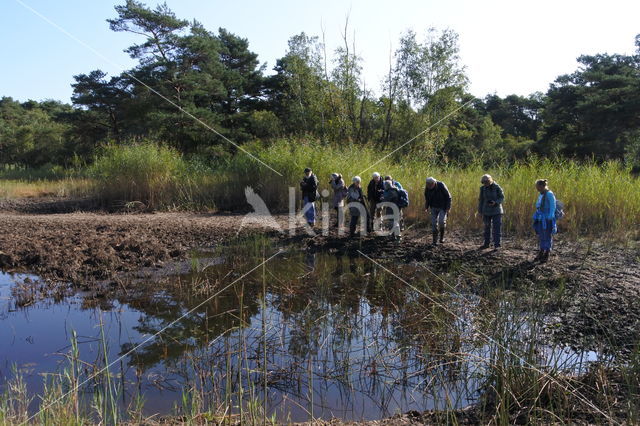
(145,172)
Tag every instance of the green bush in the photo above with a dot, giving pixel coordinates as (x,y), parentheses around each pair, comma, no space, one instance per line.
(144,172)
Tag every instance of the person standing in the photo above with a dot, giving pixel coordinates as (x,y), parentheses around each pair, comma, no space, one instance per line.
(309,187)
(339,193)
(403,198)
(355,200)
(437,198)
(490,208)
(391,195)
(374,196)
(544,220)
(395,182)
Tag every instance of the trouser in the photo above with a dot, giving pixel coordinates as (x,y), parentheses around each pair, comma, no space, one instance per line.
(374,216)
(339,216)
(496,221)
(438,218)
(394,224)
(545,234)
(353,224)
(309,210)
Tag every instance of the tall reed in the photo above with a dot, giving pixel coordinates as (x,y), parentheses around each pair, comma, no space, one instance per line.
(599,198)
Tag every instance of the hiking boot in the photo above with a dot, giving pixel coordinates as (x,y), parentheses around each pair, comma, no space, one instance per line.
(484,246)
(442,235)
(435,238)
(545,256)
(539,255)
(496,248)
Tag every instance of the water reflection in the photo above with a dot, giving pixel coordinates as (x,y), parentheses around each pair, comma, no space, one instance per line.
(329,334)
(337,322)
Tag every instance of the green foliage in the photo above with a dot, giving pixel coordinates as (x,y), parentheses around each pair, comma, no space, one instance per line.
(195,90)
(30,134)
(588,111)
(297,90)
(186,76)
(46,172)
(423,69)
(516,115)
(263,124)
(631,141)
(144,172)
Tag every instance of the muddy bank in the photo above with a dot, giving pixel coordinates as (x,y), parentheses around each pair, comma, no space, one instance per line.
(595,309)
(81,248)
(48,205)
(592,288)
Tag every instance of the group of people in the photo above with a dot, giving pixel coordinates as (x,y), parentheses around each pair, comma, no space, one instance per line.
(383,194)
(386,195)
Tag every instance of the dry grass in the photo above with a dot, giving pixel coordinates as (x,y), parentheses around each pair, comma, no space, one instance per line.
(43,188)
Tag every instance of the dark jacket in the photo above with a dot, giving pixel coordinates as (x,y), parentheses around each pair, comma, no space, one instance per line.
(374,191)
(391,195)
(309,187)
(438,197)
(355,196)
(490,193)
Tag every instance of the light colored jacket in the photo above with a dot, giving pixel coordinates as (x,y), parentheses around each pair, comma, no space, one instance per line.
(339,192)
(354,197)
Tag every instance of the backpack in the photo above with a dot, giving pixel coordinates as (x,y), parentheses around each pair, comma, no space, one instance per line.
(559,213)
(403,198)
(559,210)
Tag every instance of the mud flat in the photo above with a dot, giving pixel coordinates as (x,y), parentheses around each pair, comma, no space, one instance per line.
(85,247)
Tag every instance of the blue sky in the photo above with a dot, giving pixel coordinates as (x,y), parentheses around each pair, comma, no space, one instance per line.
(507,46)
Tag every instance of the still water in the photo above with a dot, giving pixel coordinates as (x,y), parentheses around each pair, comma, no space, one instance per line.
(317,335)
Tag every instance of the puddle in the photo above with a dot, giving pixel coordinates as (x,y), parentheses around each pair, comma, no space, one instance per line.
(336,335)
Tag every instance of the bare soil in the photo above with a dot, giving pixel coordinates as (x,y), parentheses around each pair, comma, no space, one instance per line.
(86,247)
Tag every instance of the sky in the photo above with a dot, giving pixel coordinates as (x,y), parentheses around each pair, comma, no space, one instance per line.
(507,47)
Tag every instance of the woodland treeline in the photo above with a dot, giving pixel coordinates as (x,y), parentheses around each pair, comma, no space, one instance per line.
(321,96)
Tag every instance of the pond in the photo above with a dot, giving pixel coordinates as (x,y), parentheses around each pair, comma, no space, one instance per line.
(301,334)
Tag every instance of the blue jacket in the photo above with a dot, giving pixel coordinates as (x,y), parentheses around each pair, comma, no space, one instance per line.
(391,195)
(545,214)
(546,206)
